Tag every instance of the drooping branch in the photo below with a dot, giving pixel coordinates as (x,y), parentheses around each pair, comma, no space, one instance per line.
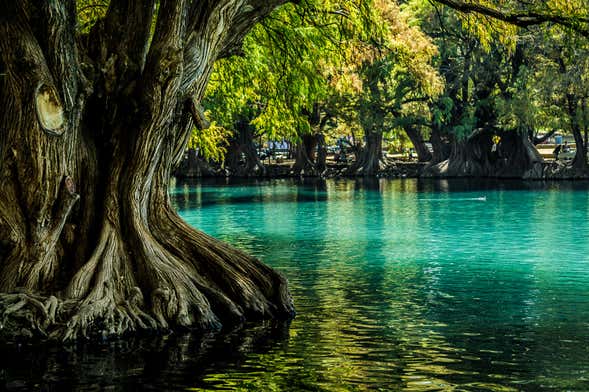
(577,23)
(215,30)
(246,18)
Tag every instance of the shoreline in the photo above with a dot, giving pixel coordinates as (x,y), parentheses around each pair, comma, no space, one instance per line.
(541,171)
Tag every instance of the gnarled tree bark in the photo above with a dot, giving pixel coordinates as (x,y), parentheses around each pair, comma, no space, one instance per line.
(242,158)
(89,133)
(371,159)
(476,156)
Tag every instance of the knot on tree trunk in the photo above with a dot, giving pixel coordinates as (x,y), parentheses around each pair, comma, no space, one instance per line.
(49,110)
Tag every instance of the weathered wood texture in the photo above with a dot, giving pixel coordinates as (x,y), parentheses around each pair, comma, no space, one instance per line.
(90,128)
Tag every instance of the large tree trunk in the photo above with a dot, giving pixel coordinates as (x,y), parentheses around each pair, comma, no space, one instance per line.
(89,243)
(370,160)
(441,150)
(309,161)
(476,156)
(423,153)
(242,159)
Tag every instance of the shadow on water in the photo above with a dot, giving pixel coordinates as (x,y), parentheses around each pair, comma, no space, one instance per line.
(488,184)
(149,363)
(189,192)
(411,285)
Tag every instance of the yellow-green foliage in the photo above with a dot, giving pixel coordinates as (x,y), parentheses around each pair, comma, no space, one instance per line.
(289,64)
(211,142)
(89,11)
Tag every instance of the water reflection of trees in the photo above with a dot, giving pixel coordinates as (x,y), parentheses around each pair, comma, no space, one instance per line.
(365,323)
(408,320)
(172,362)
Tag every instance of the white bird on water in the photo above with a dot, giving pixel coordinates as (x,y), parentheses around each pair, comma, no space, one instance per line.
(480,198)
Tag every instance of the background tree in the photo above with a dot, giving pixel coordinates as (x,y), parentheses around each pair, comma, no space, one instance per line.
(560,65)
(279,87)
(398,83)
(484,79)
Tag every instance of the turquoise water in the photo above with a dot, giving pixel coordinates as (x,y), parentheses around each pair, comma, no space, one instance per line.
(401,285)
(411,285)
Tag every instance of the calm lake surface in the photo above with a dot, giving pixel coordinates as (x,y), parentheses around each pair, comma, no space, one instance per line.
(399,285)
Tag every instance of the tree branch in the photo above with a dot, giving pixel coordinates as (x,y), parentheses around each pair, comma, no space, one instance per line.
(247,17)
(215,30)
(125,31)
(198,115)
(578,23)
(164,66)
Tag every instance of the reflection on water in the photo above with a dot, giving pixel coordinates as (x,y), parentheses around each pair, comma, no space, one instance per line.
(399,285)
(416,285)
(156,363)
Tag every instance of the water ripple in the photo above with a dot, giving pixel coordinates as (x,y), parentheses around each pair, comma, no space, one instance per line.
(399,285)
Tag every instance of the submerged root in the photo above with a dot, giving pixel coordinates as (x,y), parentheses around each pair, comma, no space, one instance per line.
(27,315)
(105,317)
(32,316)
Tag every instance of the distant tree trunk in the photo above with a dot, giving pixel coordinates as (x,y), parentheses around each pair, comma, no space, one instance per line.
(89,133)
(370,160)
(476,156)
(194,166)
(441,151)
(242,158)
(305,156)
(321,161)
(580,160)
(311,153)
(423,153)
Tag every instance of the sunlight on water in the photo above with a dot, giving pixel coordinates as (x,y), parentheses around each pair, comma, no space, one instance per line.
(399,285)
(413,285)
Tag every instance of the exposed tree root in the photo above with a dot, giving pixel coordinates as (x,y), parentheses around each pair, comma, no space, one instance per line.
(179,278)
(94,261)
(367,166)
(242,284)
(25,315)
(477,156)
